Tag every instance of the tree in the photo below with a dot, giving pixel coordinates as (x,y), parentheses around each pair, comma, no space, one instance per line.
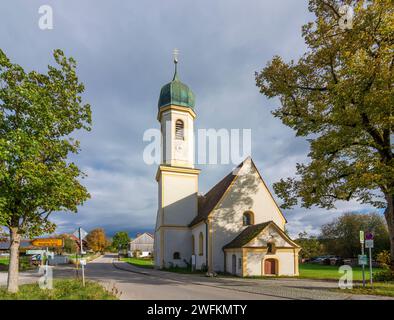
(38,114)
(310,246)
(341,237)
(97,240)
(340,96)
(120,240)
(69,244)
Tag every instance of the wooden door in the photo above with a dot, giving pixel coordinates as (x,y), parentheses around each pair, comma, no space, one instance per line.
(270,266)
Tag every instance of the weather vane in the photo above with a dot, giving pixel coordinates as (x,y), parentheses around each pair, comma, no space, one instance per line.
(175,54)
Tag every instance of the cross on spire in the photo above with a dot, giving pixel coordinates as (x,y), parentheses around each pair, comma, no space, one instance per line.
(175,53)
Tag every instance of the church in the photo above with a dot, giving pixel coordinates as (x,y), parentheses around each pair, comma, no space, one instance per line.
(236,227)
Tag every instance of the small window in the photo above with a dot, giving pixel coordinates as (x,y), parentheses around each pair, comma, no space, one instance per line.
(201,244)
(193,246)
(176,256)
(248,218)
(179,130)
(270,248)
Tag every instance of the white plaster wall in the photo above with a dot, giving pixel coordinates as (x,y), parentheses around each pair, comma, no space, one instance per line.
(169,154)
(248,193)
(179,198)
(177,240)
(156,249)
(229,262)
(254,263)
(200,260)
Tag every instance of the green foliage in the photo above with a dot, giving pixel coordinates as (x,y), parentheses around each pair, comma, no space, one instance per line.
(121,240)
(24,263)
(140,262)
(384,259)
(340,95)
(310,246)
(70,246)
(38,115)
(341,237)
(384,275)
(63,290)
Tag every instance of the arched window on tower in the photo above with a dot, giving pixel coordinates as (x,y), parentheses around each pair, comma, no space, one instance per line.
(201,244)
(248,218)
(179,130)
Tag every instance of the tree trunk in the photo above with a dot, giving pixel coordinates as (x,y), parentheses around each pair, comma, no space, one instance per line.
(13,270)
(389,214)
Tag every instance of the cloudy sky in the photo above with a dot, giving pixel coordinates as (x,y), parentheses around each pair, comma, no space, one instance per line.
(123,49)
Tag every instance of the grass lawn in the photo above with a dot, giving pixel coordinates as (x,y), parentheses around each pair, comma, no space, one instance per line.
(24,263)
(317,271)
(62,290)
(143,263)
(379,289)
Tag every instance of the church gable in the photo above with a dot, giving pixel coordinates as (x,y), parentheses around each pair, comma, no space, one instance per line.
(247,193)
(271,234)
(261,235)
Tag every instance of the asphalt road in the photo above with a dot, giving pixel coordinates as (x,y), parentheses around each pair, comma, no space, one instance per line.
(130,282)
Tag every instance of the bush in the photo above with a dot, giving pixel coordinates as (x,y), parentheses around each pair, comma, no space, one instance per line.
(384,259)
(384,275)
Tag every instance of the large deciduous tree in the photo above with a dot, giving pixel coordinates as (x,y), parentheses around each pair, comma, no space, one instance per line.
(340,96)
(341,236)
(96,239)
(38,114)
(121,240)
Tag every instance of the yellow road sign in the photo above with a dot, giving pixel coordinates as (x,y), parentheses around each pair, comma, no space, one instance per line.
(47,242)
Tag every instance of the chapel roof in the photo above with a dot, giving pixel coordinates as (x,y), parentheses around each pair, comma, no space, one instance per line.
(252,232)
(207,202)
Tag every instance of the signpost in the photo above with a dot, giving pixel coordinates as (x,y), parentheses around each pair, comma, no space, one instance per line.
(369,246)
(47,242)
(362,257)
(81,234)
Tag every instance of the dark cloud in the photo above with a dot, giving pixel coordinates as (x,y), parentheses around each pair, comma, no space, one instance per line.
(123,49)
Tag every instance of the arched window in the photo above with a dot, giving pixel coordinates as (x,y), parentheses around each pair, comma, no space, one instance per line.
(248,218)
(193,246)
(176,256)
(201,244)
(179,130)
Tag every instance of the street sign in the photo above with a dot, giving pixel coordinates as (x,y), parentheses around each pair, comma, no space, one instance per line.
(362,237)
(369,236)
(362,259)
(82,235)
(47,242)
(369,244)
(82,262)
(33,252)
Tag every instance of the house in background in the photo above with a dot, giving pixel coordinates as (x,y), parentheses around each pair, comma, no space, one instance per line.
(141,246)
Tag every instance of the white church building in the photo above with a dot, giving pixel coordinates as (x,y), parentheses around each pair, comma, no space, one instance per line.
(236,227)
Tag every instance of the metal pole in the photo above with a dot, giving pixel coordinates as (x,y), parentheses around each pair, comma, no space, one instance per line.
(362,253)
(82,266)
(370,266)
(46,266)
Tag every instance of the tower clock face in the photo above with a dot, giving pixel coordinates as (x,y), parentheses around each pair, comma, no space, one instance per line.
(180,149)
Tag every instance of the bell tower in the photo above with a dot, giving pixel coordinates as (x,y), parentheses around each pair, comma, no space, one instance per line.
(176,176)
